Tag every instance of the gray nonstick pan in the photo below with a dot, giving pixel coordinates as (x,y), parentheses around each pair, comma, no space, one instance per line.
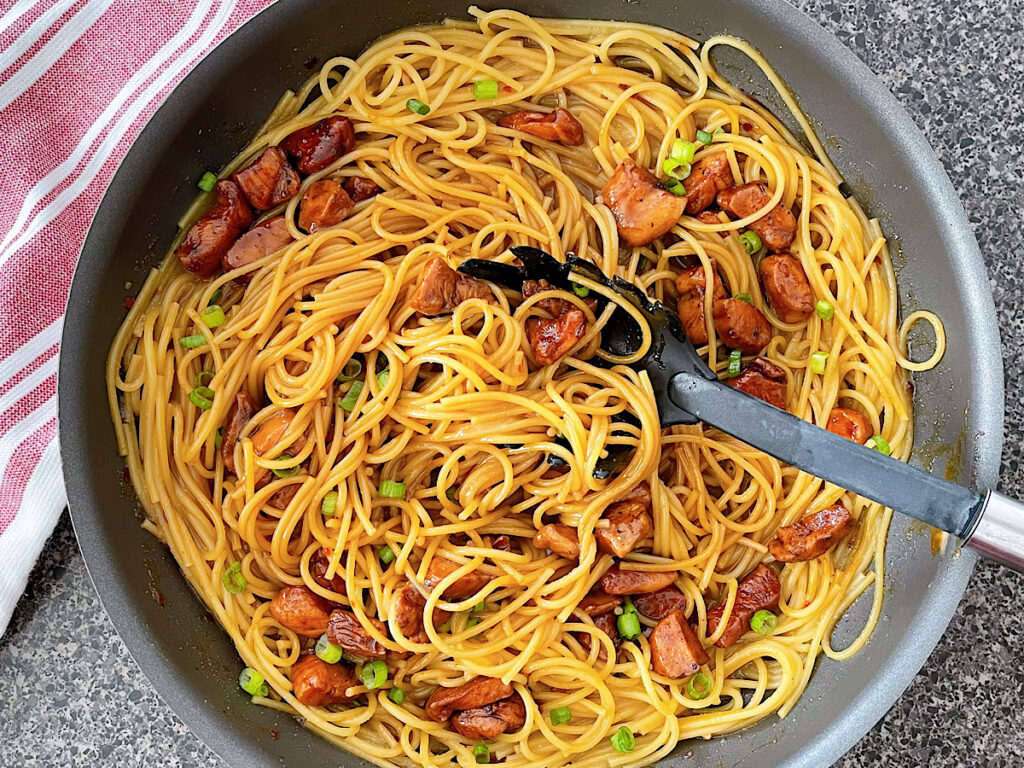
(886,162)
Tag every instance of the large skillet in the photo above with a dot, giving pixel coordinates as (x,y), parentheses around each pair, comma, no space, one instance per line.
(211,115)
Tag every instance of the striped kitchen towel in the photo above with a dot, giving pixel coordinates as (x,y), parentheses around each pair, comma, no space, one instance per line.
(78,81)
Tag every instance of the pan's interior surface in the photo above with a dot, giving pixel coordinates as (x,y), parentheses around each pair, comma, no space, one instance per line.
(212,114)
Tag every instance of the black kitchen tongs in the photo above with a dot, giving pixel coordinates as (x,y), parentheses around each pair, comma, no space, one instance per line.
(689,392)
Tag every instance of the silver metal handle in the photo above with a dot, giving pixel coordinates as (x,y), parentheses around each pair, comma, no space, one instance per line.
(999,534)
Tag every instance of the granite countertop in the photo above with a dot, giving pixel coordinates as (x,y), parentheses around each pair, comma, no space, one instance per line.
(73,696)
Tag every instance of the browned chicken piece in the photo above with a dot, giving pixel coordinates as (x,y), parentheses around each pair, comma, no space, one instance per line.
(318,565)
(442,289)
(786,286)
(628,523)
(316,683)
(619,582)
(215,231)
(282,498)
(597,601)
(606,622)
(709,176)
(409,607)
(812,535)
(848,423)
(660,604)
(269,180)
(467,585)
(478,692)
(318,145)
(692,286)
(345,630)
(758,591)
(643,211)
(265,238)
(272,431)
(676,651)
(777,227)
(301,610)
(558,126)
(741,325)
(324,204)
(551,339)
(243,409)
(764,380)
(491,720)
(560,539)
(502,543)
(360,188)
(709,217)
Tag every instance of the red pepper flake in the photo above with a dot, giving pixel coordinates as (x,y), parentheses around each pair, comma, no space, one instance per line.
(274,734)
(507,88)
(807,603)
(129,302)
(747,127)
(821,188)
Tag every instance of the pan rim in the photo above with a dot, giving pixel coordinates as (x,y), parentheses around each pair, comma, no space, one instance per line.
(894,674)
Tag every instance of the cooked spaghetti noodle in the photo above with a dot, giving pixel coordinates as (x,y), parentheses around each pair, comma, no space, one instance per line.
(466,419)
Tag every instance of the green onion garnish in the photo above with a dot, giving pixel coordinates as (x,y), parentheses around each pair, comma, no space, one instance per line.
(213,316)
(673,187)
(485,89)
(824,310)
(676,169)
(382,378)
(329,503)
(479,607)
(472,621)
(352,369)
(819,361)
(704,137)
(683,150)
(327,651)
(482,754)
(629,625)
(201,397)
(751,242)
(218,439)
(446,627)
(215,296)
(207,182)
(252,682)
(374,674)
(452,493)
(397,695)
(386,555)
(560,715)
(232,578)
(193,341)
(880,444)
(744,297)
(764,622)
(203,376)
(580,290)
(628,606)
(349,401)
(699,686)
(735,360)
(417,106)
(719,130)
(287,471)
(623,740)
(391,489)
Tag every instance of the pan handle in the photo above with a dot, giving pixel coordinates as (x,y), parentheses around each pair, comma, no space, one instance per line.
(999,533)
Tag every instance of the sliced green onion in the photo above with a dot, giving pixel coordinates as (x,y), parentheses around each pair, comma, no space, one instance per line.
(219,439)
(735,360)
(744,297)
(623,740)
(287,471)
(374,674)
(352,369)
(193,341)
(391,489)
(382,378)
(629,625)
(446,627)
(252,682)
(674,187)
(719,130)
(485,89)
(880,444)
(472,621)
(213,316)
(628,606)
(683,150)
(417,106)
(699,686)
(327,651)
(349,401)
(386,555)
(479,607)
(676,169)
(201,397)
(704,137)
(215,296)
(452,493)
(819,362)
(560,715)
(824,310)
(232,578)
(482,754)
(207,182)
(397,695)
(580,290)
(207,375)
(764,622)
(329,503)
(751,241)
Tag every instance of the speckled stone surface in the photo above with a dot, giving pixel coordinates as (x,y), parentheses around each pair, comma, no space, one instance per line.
(73,697)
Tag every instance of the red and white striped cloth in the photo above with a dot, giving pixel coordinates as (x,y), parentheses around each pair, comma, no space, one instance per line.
(78,81)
